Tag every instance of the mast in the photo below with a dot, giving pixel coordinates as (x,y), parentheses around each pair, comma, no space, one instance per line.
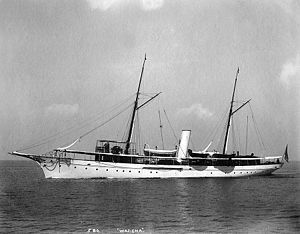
(230,112)
(134,110)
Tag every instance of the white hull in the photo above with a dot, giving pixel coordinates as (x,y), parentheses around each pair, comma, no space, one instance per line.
(78,169)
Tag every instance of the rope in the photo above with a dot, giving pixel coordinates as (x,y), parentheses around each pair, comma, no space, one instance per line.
(233,134)
(213,133)
(237,125)
(221,140)
(106,121)
(51,166)
(66,131)
(260,140)
(176,138)
(126,128)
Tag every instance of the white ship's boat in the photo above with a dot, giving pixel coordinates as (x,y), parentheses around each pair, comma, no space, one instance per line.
(119,159)
(160,152)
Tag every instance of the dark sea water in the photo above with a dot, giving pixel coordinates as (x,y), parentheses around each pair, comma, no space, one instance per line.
(29,203)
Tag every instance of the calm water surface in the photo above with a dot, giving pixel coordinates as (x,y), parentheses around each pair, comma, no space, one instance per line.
(30,203)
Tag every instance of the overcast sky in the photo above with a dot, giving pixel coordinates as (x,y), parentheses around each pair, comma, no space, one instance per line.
(64,62)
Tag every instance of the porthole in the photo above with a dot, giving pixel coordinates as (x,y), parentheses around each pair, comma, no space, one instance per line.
(129,171)
(150,171)
(86,168)
(233,172)
(156,172)
(96,169)
(123,170)
(117,170)
(106,169)
(139,171)
(59,165)
(211,173)
(74,167)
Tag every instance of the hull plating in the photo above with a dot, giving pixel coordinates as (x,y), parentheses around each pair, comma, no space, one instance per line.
(78,169)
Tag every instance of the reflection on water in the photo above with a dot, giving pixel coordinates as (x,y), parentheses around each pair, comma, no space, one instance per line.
(30,203)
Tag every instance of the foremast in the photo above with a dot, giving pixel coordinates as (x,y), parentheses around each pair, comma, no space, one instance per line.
(135,107)
(230,113)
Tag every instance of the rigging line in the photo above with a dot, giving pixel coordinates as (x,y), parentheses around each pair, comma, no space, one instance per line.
(81,125)
(161,130)
(134,139)
(139,133)
(236,134)
(122,130)
(234,123)
(120,112)
(222,136)
(48,139)
(143,138)
(260,141)
(125,135)
(213,133)
(256,129)
(176,138)
(246,144)
(233,135)
(114,107)
(125,129)
(224,117)
(45,142)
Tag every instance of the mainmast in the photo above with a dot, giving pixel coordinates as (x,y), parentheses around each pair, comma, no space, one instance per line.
(230,112)
(134,110)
